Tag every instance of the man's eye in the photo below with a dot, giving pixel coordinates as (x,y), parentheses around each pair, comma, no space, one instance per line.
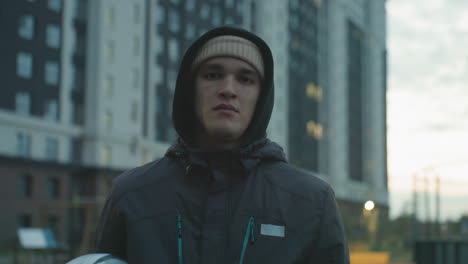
(212,76)
(246,80)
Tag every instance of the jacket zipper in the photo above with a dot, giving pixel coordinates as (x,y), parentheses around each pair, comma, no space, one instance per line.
(249,235)
(179,238)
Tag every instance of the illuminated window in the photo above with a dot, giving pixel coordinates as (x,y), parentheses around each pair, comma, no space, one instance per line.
(107,155)
(26,27)
(314,129)
(313,91)
(24,65)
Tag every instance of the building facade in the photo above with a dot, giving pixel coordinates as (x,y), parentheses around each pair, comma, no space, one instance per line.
(90,84)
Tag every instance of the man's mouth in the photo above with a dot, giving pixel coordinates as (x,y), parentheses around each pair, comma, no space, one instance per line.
(226,107)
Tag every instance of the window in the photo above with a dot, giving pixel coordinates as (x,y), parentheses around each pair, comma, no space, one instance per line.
(53,188)
(23,103)
(229,3)
(171,79)
(51,110)
(24,220)
(53,36)
(110,16)
(54,5)
(51,73)
(24,65)
(190,5)
(109,85)
(160,15)
(76,150)
(23,145)
(174,23)
(108,119)
(107,155)
(313,91)
(173,46)
(26,27)
(205,11)
(229,20)
(217,20)
(135,78)
(134,112)
(314,129)
(191,32)
(53,223)
(110,49)
(51,151)
(136,46)
(136,13)
(25,186)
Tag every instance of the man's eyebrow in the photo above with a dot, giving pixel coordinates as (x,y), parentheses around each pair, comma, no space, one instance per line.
(212,66)
(248,71)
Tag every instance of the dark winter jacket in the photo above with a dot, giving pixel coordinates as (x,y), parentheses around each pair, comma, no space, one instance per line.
(245,205)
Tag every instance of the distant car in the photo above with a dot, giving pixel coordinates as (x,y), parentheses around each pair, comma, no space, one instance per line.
(97,258)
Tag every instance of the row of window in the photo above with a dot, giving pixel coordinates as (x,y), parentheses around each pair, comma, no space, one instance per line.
(174,19)
(111,15)
(24,68)
(26,187)
(23,106)
(24,143)
(26,31)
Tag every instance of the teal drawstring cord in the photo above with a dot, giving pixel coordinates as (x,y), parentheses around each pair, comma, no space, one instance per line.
(179,237)
(249,233)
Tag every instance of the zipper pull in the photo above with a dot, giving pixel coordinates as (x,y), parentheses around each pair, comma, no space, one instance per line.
(252,229)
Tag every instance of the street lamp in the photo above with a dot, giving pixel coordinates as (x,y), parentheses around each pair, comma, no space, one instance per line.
(369,205)
(371,215)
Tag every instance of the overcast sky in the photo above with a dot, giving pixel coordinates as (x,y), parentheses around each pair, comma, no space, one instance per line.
(428,99)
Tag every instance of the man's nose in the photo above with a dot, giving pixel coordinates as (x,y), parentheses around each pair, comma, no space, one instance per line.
(228,89)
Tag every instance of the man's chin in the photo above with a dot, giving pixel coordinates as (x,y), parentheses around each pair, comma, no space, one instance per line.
(224,134)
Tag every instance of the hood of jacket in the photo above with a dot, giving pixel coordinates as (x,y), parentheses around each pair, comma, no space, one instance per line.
(183,114)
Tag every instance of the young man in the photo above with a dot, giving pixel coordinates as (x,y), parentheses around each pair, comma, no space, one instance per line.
(223,193)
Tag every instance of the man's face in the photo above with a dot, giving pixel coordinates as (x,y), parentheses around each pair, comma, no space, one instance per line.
(226,92)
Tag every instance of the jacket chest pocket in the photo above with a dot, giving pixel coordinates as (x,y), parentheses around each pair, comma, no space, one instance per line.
(257,239)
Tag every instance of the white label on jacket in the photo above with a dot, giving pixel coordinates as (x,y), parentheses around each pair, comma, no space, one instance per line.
(272,230)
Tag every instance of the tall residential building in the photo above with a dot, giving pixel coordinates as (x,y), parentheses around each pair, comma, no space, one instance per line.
(89,84)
